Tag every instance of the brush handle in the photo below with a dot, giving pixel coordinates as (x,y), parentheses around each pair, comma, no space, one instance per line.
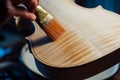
(43,17)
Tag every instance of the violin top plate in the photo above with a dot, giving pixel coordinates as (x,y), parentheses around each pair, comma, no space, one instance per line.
(91,33)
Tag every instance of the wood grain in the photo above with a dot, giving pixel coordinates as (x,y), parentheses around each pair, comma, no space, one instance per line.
(91,33)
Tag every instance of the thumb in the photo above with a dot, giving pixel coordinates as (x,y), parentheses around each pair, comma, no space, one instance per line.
(19,11)
(22,12)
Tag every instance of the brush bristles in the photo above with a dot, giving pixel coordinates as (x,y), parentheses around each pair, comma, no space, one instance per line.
(54,29)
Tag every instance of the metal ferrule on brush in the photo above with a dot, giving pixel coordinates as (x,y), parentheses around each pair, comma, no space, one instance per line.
(43,17)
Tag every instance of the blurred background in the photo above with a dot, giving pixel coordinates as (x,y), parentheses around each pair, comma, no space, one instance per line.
(12,41)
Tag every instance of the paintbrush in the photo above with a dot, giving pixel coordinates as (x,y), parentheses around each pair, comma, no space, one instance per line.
(48,23)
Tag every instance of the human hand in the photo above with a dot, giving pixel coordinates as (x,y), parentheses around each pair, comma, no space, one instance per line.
(9,8)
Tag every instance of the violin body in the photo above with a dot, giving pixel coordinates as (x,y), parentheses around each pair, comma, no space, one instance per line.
(91,40)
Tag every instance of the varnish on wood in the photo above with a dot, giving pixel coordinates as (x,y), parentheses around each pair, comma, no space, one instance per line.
(91,34)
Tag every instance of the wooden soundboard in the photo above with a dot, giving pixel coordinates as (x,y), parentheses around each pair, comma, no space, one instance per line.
(91,34)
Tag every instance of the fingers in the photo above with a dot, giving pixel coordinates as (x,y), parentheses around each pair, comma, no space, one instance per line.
(30,4)
(10,8)
(18,11)
(34,4)
(15,10)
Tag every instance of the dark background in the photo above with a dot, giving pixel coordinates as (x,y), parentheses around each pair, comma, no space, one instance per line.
(12,41)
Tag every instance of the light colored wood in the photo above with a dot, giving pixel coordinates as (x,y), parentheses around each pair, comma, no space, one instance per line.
(91,33)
